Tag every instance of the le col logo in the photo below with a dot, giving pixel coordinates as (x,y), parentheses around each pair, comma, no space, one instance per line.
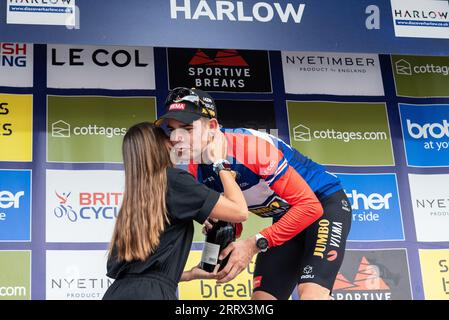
(5,128)
(92,206)
(101,57)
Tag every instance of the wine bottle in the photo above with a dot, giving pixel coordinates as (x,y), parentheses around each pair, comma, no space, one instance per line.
(217,238)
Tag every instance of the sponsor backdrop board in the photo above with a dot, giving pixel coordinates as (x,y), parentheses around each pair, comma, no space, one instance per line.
(417,27)
(378,122)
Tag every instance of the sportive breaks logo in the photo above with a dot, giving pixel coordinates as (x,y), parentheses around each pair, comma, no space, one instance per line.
(376,210)
(15,278)
(230,58)
(335,133)
(82,205)
(15,205)
(373,275)
(106,67)
(426,134)
(421,19)
(332,73)
(226,70)
(367,279)
(16,64)
(91,129)
(76,274)
(435,273)
(16,127)
(417,76)
(430,201)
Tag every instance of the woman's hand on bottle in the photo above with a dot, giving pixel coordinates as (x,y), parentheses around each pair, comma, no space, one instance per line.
(208,225)
(197,273)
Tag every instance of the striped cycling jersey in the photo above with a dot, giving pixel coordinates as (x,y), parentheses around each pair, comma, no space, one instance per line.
(276,180)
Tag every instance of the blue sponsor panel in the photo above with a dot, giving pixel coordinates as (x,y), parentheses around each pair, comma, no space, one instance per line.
(15,205)
(376,211)
(426,134)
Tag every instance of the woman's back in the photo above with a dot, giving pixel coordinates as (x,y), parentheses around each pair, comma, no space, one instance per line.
(186,201)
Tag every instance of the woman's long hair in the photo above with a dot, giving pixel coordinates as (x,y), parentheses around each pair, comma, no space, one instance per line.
(143,215)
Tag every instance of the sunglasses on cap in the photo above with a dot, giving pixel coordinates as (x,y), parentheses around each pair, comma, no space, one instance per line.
(182,94)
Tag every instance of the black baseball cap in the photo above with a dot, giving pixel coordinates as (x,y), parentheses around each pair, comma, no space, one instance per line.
(188,105)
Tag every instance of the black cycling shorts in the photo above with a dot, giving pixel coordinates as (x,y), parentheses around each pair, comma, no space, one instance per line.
(314,255)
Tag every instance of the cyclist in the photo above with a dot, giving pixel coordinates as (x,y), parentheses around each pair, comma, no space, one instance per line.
(311,213)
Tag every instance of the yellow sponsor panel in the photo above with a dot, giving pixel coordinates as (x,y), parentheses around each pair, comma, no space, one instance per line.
(435,273)
(16,127)
(238,289)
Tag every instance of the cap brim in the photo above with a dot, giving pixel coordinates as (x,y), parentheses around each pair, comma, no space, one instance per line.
(182,116)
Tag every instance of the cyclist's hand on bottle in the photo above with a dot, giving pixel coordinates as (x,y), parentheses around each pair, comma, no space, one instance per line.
(241,252)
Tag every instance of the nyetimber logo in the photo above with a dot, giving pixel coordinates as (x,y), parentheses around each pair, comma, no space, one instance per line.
(236,11)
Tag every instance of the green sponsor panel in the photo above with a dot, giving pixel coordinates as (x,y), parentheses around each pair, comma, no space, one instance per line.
(341,133)
(91,129)
(417,76)
(15,275)
(250,227)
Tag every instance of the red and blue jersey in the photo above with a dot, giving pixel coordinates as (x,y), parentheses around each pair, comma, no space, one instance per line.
(277,181)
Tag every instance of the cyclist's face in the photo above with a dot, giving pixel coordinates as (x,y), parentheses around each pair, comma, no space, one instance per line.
(188,140)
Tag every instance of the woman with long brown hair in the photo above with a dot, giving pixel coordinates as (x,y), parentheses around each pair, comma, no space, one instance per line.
(154,228)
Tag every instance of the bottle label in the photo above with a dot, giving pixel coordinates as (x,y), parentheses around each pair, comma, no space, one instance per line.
(210,253)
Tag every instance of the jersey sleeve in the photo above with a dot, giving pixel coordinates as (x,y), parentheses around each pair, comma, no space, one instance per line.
(305,208)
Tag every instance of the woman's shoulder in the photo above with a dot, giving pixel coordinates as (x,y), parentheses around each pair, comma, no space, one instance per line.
(175,174)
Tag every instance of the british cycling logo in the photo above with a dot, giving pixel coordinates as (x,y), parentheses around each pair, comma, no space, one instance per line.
(90,206)
(65,210)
